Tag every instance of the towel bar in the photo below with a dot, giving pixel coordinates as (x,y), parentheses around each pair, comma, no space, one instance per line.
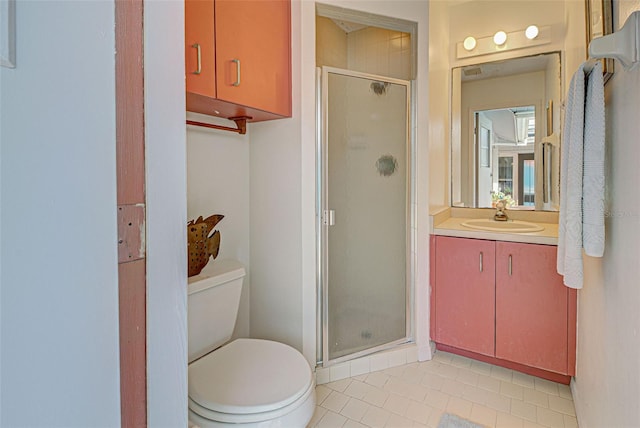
(623,45)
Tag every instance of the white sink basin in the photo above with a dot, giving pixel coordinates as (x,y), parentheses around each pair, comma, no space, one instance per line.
(512,226)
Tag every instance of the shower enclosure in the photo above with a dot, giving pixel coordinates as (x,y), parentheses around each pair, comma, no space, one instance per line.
(364,220)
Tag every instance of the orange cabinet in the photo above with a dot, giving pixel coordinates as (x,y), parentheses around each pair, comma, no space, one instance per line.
(503,300)
(238,58)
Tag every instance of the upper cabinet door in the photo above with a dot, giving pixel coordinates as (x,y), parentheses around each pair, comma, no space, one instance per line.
(253,54)
(531,307)
(465,293)
(200,48)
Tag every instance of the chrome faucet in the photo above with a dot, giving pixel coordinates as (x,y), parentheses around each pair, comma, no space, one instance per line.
(500,214)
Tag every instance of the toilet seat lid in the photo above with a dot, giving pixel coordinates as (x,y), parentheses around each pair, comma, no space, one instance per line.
(249,376)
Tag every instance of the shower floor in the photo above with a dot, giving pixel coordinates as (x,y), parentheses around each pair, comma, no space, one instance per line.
(356,330)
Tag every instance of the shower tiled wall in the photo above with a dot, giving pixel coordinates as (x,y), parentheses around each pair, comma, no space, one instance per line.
(331,44)
(379,51)
(370,50)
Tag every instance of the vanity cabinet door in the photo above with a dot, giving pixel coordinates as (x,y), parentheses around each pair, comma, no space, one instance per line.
(465,294)
(532,307)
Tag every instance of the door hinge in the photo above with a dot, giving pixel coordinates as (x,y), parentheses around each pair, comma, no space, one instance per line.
(131,233)
(328,217)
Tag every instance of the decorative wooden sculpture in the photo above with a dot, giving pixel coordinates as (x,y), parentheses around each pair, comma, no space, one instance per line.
(200,245)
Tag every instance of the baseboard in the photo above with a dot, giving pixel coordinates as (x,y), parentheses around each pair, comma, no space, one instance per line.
(426,352)
(541,373)
(397,356)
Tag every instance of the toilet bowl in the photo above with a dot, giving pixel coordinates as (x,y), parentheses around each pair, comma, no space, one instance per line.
(251,382)
(247,382)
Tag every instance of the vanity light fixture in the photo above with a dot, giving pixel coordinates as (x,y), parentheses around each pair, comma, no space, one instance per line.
(522,38)
(531,32)
(500,38)
(469,43)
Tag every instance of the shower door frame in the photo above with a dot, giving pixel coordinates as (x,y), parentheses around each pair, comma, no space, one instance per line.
(322,229)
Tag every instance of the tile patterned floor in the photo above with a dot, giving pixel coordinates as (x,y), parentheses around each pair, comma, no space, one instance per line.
(417,394)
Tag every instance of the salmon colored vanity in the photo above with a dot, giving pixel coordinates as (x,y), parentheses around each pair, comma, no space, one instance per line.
(503,302)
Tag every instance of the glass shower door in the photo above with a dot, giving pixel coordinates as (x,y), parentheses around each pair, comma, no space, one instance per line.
(365,211)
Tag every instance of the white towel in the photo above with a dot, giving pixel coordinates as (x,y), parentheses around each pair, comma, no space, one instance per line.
(593,176)
(582,176)
(570,224)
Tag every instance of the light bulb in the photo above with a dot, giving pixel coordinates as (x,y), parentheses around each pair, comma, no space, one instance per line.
(531,32)
(500,38)
(469,43)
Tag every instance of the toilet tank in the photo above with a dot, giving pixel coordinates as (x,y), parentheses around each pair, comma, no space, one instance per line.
(213,301)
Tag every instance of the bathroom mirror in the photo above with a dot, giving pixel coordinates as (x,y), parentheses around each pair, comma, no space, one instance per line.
(505,127)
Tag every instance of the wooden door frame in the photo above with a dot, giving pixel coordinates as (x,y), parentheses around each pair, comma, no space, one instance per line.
(130,166)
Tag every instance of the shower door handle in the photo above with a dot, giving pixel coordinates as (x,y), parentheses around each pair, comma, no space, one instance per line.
(329,217)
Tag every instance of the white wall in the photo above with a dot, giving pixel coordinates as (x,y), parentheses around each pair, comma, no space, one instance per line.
(218,183)
(276,245)
(607,383)
(165,156)
(59,285)
(439,104)
(276,215)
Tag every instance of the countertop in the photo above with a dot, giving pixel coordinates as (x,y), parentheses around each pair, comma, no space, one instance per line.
(448,222)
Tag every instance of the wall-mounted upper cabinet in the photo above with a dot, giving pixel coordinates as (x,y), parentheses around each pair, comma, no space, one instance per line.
(238,58)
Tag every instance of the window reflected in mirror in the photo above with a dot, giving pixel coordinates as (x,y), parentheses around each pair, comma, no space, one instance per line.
(506,168)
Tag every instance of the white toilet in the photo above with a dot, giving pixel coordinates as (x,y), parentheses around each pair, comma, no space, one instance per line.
(248,382)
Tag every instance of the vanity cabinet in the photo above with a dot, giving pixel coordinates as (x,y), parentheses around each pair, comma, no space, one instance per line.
(532,316)
(505,301)
(465,294)
(238,58)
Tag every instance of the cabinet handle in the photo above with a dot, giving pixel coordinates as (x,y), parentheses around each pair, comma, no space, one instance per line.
(510,264)
(481,256)
(199,53)
(237,82)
